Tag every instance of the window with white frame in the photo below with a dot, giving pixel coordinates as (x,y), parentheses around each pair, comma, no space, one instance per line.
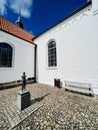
(5,55)
(52,58)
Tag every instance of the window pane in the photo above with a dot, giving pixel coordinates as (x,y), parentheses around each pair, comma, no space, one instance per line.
(52,61)
(5,55)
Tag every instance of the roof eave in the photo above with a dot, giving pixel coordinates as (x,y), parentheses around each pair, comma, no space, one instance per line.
(18,37)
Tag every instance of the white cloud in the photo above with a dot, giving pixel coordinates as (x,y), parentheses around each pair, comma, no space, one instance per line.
(15,5)
(3,10)
(24,5)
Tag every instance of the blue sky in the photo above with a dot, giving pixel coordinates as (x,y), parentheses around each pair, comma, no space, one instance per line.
(38,15)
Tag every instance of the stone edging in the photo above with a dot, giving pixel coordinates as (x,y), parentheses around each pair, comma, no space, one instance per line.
(22,115)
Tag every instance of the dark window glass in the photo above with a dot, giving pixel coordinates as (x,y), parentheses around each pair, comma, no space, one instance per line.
(5,55)
(52,60)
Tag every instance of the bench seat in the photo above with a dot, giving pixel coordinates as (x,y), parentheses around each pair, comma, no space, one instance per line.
(79,87)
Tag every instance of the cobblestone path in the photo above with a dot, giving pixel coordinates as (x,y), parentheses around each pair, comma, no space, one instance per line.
(61,110)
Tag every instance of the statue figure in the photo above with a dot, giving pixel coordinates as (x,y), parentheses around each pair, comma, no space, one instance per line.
(23,82)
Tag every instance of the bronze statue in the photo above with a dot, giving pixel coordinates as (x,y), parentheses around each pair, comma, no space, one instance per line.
(23,82)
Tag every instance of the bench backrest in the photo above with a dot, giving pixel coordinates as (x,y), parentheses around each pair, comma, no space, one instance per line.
(79,86)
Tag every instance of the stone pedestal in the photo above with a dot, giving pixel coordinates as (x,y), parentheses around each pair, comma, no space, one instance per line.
(23,99)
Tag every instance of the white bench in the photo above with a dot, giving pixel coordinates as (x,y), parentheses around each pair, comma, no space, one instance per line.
(79,87)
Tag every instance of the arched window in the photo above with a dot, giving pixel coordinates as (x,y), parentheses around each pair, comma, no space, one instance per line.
(5,55)
(52,60)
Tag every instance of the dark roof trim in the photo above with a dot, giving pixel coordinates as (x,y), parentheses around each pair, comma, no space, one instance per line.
(73,13)
(19,37)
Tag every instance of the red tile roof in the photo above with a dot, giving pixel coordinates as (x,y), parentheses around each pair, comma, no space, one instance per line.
(11,28)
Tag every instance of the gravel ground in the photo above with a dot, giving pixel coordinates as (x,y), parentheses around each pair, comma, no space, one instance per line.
(61,110)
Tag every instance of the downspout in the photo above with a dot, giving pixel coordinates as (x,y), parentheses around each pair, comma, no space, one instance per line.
(35,63)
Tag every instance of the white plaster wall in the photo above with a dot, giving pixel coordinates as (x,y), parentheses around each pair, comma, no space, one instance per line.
(77,49)
(23,59)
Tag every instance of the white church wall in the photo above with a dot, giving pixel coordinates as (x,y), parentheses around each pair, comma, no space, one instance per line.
(77,49)
(23,59)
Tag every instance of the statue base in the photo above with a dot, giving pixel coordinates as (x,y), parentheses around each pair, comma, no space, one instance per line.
(23,99)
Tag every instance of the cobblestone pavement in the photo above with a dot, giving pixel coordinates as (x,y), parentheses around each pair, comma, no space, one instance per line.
(61,110)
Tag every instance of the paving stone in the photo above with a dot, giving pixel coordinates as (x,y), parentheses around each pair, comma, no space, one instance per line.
(61,110)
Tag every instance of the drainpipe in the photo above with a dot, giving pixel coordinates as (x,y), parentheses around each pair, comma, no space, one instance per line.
(35,63)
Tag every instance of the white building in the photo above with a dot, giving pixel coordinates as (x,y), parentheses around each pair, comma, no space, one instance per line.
(67,51)
(17,52)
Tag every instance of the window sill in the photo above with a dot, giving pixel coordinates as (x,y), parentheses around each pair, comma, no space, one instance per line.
(6,68)
(51,68)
